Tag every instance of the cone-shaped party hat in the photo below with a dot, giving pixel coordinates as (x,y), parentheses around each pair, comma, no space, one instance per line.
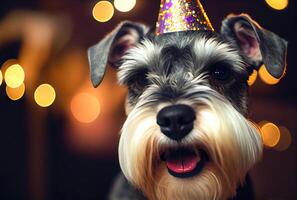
(182,15)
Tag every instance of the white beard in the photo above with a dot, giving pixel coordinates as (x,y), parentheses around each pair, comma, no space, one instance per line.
(232,143)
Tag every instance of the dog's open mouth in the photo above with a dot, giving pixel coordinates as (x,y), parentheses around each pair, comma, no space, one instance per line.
(184,162)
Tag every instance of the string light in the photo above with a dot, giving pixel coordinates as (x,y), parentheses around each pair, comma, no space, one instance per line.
(124,5)
(45,95)
(15,93)
(277,4)
(85,107)
(266,77)
(14,76)
(103,11)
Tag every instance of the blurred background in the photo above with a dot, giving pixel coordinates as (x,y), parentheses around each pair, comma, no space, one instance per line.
(59,136)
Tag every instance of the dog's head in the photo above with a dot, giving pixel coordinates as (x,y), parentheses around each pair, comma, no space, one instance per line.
(186,135)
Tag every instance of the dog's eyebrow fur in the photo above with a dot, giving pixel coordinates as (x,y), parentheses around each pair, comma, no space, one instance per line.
(209,51)
(193,51)
(138,58)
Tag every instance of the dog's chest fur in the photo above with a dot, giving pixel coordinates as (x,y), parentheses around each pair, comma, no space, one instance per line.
(122,190)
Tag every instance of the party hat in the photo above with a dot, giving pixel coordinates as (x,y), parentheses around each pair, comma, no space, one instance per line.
(182,15)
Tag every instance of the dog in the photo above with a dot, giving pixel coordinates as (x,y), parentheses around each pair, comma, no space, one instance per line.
(187,134)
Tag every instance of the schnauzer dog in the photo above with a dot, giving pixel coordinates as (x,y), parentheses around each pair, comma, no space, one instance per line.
(187,133)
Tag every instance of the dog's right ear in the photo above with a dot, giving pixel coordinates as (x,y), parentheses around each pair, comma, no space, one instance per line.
(111,49)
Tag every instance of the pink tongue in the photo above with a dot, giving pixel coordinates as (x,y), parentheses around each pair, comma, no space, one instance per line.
(183,163)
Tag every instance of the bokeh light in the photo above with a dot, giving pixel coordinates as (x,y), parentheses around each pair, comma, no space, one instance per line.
(45,95)
(1,77)
(270,134)
(277,4)
(103,11)
(253,78)
(15,93)
(7,64)
(85,107)
(14,76)
(262,123)
(266,77)
(285,139)
(124,5)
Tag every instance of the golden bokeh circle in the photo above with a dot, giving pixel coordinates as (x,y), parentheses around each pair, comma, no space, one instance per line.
(278,4)
(266,77)
(14,76)
(15,93)
(252,78)
(103,11)
(270,134)
(45,95)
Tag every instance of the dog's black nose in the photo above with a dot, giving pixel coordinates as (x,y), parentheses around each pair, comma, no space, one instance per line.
(176,121)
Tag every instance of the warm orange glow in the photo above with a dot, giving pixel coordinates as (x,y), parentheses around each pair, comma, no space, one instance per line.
(278,4)
(253,78)
(45,95)
(270,134)
(103,11)
(266,77)
(124,5)
(85,107)
(1,77)
(285,139)
(14,76)
(15,93)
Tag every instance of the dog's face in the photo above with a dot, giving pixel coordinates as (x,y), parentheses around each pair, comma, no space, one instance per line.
(186,135)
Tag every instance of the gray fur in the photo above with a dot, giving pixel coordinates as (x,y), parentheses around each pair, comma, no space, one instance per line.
(123,190)
(169,69)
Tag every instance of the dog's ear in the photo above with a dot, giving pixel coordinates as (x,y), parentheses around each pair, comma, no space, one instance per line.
(257,45)
(111,49)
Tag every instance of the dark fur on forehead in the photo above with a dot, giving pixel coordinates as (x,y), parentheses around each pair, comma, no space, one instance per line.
(178,52)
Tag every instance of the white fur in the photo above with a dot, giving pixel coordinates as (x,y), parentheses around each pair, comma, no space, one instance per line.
(231,141)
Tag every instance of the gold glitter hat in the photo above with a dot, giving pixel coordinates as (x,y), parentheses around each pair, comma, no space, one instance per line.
(182,15)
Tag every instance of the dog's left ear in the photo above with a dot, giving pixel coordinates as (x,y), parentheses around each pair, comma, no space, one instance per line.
(111,49)
(257,45)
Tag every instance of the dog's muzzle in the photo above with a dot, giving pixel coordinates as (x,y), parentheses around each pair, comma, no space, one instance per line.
(176,121)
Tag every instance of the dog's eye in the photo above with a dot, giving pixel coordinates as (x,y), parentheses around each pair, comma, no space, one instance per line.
(137,83)
(220,72)
(140,81)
